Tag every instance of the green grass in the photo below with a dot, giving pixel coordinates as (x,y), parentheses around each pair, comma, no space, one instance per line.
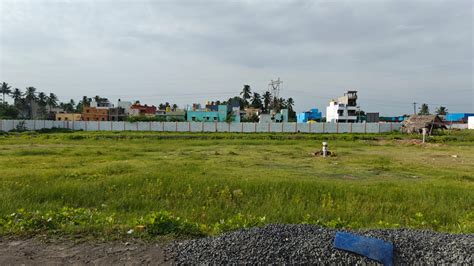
(208,183)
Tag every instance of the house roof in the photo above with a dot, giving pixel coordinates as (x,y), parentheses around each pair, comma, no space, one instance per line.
(421,121)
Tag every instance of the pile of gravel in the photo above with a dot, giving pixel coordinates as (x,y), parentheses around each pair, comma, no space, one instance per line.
(314,244)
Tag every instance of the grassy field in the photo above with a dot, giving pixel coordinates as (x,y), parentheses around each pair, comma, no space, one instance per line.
(158,183)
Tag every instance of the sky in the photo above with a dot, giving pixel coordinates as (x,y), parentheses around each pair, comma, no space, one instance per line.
(393,53)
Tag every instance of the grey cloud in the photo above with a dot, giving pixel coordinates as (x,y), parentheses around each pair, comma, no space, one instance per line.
(409,46)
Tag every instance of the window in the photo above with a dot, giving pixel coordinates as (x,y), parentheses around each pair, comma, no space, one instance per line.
(193,118)
(59,118)
(215,118)
(340,112)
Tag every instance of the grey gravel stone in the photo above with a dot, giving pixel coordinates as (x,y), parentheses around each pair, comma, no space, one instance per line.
(297,244)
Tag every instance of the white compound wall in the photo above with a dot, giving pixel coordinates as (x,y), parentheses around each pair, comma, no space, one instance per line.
(7,125)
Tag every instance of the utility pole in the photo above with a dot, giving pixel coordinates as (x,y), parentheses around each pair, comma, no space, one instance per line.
(414,108)
(274,85)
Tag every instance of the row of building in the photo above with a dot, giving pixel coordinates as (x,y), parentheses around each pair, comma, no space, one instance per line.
(105,111)
(343,110)
(211,112)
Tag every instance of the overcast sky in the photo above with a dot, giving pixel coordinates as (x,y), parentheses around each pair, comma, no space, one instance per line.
(392,52)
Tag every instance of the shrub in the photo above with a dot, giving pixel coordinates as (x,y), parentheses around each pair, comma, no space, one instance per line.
(163,223)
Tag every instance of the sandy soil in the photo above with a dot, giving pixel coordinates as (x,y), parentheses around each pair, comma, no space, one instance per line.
(58,252)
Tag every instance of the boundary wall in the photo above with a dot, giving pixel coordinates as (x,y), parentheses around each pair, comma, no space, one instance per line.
(7,125)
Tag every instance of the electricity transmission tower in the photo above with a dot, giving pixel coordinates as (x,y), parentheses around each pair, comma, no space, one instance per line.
(274,86)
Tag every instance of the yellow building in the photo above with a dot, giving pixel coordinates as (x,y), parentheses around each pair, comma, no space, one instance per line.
(68,117)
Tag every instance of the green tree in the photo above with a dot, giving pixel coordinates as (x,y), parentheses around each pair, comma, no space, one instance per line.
(84,102)
(246,94)
(72,105)
(42,98)
(267,98)
(16,95)
(51,101)
(441,110)
(19,102)
(256,100)
(30,97)
(290,103)
(42,102)
(8,111)
(424,109)
(279,104)
(5,89)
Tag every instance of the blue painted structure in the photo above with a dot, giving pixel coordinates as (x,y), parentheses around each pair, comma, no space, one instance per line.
(282,116)
(209,116)
(392,118)
(370,247)
(313,114)
(458,117)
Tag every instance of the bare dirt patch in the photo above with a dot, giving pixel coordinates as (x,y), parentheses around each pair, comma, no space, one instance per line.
(34,251)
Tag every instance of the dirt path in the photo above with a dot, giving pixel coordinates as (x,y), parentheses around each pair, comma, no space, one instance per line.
(39,252)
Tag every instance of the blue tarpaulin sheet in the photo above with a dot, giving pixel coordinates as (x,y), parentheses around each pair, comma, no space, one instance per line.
(370,247)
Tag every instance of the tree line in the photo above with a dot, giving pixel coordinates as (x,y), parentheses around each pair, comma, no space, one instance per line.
(24,103)
(34,104)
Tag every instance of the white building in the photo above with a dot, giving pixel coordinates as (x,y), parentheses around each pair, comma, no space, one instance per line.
(105,104)
(344,109)
(470,122)
(125,105)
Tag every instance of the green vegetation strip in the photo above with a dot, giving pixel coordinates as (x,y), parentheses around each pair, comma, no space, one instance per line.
(147,184)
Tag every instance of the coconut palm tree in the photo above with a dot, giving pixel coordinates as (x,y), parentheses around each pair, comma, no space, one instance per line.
(51,101)
(281,104)
(72,105)
(256,100)
(267,98)
(424,109)
(246,94)
(5,89)
(42,97)
(86,101)
(290,103)
(30,97)
(16,95)
(175,106)
(441,110)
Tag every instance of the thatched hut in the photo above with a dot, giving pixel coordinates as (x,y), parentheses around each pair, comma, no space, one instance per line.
(416,123)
